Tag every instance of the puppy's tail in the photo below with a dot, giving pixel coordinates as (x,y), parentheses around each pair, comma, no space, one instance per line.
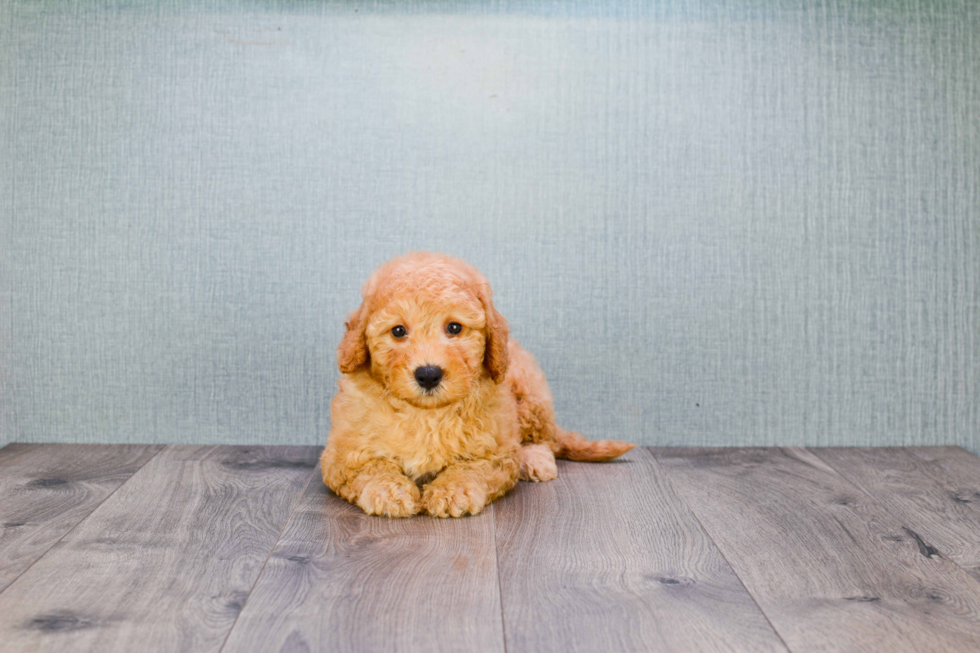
(573,446)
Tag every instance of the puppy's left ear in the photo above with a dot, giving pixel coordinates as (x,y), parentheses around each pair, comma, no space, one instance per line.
(353,351)
(495,357)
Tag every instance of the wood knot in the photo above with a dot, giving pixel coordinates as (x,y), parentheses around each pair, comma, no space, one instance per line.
(673,581)
(47,482)
(59,622)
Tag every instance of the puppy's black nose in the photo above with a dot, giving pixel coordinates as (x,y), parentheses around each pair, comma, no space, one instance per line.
(428,376)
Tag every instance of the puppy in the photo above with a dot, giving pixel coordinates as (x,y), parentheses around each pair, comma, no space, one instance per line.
(438,410)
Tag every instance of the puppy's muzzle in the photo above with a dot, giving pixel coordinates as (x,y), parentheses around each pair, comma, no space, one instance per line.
(428,376)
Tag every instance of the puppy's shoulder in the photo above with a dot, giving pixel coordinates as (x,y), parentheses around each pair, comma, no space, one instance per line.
(355,391)
(359,382)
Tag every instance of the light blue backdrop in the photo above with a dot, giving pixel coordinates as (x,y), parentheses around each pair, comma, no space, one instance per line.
(731,222)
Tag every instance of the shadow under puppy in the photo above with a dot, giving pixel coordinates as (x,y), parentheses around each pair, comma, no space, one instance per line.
(438,410)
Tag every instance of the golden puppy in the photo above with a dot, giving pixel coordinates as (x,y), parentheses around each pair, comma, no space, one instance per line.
(438,411)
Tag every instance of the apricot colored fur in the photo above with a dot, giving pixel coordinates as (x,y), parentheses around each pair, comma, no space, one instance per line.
(396,449)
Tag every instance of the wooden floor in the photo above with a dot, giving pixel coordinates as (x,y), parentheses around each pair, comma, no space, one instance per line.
(142,548)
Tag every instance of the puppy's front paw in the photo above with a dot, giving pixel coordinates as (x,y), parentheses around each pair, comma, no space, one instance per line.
(454,499)
(389,497)
(538,463)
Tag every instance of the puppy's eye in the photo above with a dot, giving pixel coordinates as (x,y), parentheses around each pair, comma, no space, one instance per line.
(399,331)
(454,328)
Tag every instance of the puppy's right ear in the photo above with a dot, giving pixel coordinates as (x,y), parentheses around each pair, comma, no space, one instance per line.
(353,352)
(495,357)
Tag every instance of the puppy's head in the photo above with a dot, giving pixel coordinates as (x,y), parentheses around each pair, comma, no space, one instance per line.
(427,329)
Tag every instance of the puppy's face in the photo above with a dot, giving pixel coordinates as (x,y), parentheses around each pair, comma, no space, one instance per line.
(428,349)
(427,329)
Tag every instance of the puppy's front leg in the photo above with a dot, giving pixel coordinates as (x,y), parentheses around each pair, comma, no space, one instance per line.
(379,487)
(467,486)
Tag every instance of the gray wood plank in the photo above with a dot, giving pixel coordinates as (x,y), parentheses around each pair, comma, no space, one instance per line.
(340,580)
(47,489)
(167,561)
(935,491)
(608,558)
(831,568)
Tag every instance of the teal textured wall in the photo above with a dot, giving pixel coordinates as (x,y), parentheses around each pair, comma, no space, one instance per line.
(731,222)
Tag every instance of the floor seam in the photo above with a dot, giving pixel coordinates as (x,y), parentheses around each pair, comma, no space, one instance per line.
(500,586)
(83,519)
(680,496)
(272,550)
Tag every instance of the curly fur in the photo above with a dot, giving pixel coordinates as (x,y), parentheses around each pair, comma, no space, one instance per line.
(396,449)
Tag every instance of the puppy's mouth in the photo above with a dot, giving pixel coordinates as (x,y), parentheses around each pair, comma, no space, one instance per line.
(429,393)
(430,397)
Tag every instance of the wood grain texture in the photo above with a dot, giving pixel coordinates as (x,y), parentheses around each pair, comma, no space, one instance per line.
(167,561)
(831,568)
(45,490)
(607,557)
(340,580)
(935,491)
